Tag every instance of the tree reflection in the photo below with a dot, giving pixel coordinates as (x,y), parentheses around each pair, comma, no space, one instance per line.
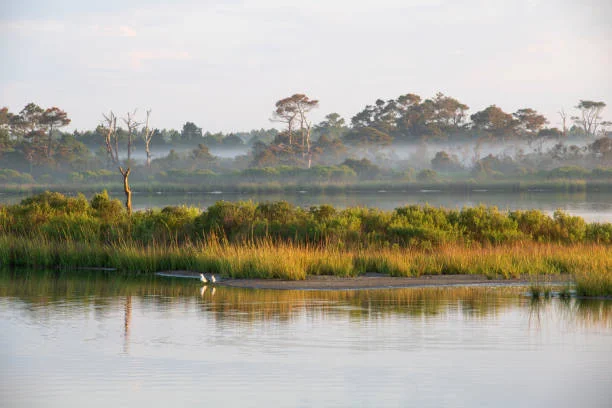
(43,292)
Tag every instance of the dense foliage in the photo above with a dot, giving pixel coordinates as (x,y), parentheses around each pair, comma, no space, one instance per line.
(101,219)
(439,133)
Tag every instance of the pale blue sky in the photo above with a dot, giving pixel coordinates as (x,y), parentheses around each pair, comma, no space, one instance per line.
(223,64)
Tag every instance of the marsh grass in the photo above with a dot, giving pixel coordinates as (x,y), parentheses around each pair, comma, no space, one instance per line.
(280,241)
(589,265)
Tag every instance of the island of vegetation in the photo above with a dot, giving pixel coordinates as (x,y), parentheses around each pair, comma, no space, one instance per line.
(407,143)
(278,240)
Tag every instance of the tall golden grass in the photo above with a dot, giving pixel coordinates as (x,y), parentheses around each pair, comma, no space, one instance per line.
(590,265)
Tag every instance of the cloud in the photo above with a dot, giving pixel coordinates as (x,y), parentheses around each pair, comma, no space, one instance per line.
(140,57)
(32,26)
(114,31)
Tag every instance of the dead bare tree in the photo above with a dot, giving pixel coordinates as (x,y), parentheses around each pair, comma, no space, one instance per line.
(147,135)
(110,127)
(126,189)
(132,125)
(563,123)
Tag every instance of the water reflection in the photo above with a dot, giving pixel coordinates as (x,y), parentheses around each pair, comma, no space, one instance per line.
(128,341)
(46,293)
(127,320)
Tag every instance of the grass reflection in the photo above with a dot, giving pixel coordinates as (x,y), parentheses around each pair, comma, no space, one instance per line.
(49,291)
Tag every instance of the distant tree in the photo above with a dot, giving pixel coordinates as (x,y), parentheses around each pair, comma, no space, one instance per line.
(132,125)
(529,121)
(72,153)
(561,152)
(381,116)
(147,135)
(495,122)
(53,118)
(333,126)
(126,189)
(212,139)
(294,110)
(427,175)
(449,113)
(563,116)
(232,140)
(5,136)
(330,150)
(589,118)
(29,119)
(286,112)
(413,117)
(201,156)
(363,167)
(263,156)
(445,162)
(550,133)
(602,148)
(29,123)
(111,140)
(367,136)
(304,105)
(191,132)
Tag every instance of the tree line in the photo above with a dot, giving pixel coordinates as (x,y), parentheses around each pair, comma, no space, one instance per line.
(32,140)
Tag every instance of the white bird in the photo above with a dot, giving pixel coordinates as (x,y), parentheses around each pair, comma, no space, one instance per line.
(212,278)
(203,278)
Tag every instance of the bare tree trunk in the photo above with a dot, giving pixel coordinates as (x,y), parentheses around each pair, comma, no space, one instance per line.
(49,142)
(116,147)
(308,125)
(126,188)
(148,134)
(563,119)
(131,125)
(129,158)
(111,122)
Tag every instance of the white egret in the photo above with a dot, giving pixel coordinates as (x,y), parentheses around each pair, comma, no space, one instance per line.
(212,278)
(203,278)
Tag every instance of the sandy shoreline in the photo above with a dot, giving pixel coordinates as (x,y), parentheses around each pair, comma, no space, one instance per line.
(368,281)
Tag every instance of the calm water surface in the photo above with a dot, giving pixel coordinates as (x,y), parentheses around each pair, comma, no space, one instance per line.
(592,206)
(91,340)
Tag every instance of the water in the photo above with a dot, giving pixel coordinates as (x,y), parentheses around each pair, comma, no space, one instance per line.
(592,206)
(93,340)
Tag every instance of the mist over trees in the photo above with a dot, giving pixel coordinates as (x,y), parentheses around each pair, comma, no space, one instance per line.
(405,138)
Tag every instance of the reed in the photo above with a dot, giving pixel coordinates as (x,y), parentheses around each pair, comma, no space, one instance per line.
(590,265)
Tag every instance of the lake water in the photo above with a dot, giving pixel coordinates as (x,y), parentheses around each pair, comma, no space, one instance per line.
(592,206)
(94,340)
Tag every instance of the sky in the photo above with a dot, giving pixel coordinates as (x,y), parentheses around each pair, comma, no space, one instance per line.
(223,64)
